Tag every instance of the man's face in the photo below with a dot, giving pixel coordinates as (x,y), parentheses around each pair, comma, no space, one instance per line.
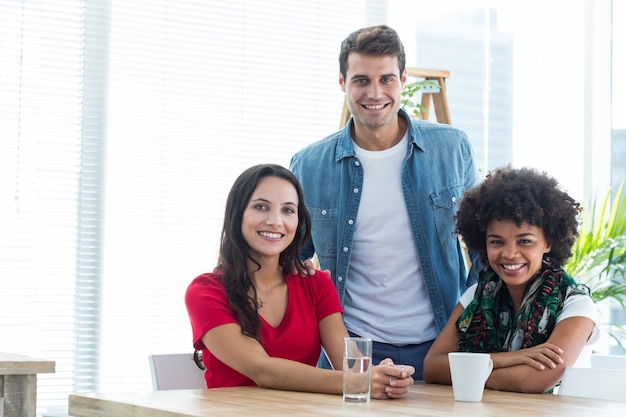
(373,87)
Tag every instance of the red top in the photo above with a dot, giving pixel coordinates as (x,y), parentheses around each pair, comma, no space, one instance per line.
(297,337)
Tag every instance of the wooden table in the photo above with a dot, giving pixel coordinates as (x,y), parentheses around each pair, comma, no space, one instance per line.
(18,384)
(423,400)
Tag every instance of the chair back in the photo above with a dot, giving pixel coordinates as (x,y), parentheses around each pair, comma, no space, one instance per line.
(175,371)
(608,361)
(603,384)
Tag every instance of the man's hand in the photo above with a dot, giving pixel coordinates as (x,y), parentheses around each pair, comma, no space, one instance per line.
(309,267)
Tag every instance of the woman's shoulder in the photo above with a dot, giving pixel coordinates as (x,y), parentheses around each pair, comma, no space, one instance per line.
(579,304)
(316,290)
(319,279)
(468,295)
(206,281)
(317,276)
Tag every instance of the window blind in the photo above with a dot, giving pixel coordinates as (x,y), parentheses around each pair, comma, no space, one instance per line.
(41,166)
(198,91)
(123,125)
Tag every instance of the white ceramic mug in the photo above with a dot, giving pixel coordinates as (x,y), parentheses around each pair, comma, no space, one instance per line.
(469,373)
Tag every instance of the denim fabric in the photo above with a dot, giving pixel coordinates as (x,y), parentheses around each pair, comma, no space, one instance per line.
(438,168)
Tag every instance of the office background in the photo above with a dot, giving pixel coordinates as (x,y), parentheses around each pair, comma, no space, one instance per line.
(124,123)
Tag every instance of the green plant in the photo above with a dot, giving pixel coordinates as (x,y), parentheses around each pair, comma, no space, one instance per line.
(599,254)
(410,95)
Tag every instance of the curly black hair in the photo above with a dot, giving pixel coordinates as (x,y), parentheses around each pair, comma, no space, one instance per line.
(521,195)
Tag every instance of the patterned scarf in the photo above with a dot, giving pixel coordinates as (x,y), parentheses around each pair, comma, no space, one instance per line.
(489,324)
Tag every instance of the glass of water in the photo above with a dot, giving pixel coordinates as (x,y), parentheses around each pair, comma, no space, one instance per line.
(357,369)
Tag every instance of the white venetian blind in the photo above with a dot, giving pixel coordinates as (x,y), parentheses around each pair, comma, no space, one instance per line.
(198,91)
(122,127)
(49,229)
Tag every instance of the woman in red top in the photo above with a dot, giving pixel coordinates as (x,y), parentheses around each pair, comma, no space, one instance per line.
(255,321)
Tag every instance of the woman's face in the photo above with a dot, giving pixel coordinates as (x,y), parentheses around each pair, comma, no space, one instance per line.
(515,253)
(270,219)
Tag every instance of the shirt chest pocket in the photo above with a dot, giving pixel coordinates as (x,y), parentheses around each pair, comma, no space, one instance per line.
(445,204)
(324,230)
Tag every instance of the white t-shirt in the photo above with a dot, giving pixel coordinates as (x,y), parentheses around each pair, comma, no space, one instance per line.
(576,305)
(386,295)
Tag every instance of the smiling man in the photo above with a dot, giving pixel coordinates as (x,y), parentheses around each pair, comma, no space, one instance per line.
(382,193)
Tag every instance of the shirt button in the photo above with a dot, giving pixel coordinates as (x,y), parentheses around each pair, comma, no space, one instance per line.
(350,221)
(357,163)
(345,249)
(339,279)
(356,190)
(453,199)
(323,212)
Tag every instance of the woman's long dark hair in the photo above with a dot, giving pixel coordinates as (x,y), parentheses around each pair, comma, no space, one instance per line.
(234,253)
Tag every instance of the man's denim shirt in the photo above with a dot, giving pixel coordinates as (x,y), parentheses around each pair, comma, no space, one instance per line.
(437,169)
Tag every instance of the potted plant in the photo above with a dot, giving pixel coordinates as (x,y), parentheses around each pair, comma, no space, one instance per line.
(410,94)
(599,255)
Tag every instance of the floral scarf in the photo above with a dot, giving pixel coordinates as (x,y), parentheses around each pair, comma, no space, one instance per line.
(489,324)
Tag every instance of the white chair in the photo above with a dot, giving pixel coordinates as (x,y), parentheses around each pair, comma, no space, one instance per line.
(608,361)
(603,384)
(175,371)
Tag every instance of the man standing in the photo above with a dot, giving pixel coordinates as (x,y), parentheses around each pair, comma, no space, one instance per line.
(382,193)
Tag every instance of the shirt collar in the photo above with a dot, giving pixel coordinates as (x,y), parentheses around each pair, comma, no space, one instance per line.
(346,150)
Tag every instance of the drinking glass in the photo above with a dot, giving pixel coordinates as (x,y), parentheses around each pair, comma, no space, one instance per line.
(357,369)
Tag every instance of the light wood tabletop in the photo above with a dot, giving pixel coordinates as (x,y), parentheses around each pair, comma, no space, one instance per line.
(423,400)
(13,364)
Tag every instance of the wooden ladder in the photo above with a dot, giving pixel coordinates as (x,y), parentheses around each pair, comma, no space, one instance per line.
(436,95)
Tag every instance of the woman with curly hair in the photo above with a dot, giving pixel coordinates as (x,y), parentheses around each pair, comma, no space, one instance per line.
(525,310)
(255,319)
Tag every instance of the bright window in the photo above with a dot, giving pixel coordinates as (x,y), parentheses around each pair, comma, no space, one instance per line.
(123,124)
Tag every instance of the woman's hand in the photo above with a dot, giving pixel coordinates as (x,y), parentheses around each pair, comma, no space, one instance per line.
(391,381)
(540,357)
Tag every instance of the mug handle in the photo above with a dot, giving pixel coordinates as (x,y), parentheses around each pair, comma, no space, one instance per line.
(489,369)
